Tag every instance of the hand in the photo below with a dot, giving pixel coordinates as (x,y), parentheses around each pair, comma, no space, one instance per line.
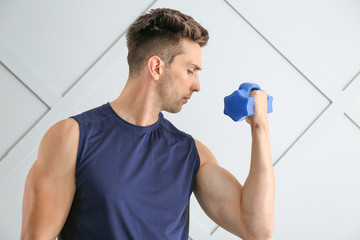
(260,109)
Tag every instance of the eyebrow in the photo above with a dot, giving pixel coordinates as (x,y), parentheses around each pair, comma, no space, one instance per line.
(196,66)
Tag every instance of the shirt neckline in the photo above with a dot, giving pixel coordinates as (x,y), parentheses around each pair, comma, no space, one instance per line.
(137,127)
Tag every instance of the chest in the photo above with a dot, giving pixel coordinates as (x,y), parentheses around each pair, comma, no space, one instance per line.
(145,177)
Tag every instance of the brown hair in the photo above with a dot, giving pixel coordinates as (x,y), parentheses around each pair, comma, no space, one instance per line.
(159,33)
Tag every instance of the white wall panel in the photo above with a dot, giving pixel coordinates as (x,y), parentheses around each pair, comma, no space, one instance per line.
(318,184)
(25,73)
(351,102)
(110,86)
(62,39)
(20,110)
(12,191)
(327,31)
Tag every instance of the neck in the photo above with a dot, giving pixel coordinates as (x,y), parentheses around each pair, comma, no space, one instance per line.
(136,103)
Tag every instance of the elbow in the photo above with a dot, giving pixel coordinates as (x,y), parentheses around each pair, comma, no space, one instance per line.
(258,231)
(260,235)
(259,228)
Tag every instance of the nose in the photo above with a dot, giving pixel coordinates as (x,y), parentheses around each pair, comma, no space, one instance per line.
(196,85)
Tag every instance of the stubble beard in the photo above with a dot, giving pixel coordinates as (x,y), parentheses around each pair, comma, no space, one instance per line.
(168,97)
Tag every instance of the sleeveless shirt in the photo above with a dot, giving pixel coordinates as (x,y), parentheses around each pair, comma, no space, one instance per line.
(132,182)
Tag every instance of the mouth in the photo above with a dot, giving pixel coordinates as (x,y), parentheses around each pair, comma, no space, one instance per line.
(186,99)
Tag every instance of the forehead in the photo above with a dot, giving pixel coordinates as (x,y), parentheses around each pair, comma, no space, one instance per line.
(191,53)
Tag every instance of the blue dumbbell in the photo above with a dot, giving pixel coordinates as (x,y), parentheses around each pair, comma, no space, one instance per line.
(240,104)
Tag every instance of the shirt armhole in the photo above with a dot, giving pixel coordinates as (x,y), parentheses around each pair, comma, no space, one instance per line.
(197,164)
(80,146)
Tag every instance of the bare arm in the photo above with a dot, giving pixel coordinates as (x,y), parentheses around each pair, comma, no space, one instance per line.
(50,184)
(258,193)
(246,211)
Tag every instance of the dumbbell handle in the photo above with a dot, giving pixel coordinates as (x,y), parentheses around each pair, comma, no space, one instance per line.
(248,87)
(240,104)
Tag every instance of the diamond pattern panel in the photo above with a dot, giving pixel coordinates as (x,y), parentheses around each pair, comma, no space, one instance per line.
(11,200)
(326,31)
(20,110)
(352,101)
(318,184)
(62,40)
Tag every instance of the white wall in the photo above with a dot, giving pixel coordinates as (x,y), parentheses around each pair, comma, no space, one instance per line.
(61,58)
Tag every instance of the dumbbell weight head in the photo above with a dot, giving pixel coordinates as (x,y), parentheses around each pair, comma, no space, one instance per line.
(269,103)
(240,104)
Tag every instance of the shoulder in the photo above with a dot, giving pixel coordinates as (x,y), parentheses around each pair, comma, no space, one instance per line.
(93,115)
(63,131)
(171,129)
(206,156)
(58,147)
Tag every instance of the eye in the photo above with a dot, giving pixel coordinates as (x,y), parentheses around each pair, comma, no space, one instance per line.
(190,72)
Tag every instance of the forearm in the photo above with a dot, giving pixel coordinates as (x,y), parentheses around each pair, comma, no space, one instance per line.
(259,188)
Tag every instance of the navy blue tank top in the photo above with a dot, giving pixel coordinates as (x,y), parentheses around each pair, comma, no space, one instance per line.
(132,182)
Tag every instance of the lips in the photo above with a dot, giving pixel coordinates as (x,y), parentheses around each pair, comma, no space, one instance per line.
(186,99)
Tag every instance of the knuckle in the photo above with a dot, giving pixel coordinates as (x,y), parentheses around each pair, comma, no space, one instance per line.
(257,93)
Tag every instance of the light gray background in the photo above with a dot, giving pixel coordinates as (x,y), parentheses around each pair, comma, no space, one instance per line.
(59,58)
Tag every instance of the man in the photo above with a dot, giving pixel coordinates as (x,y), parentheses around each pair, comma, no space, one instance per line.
(122,171)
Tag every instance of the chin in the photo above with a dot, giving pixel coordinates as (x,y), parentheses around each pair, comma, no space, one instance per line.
(173,109)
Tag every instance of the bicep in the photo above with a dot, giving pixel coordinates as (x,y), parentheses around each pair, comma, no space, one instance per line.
(50,184)
(219,193)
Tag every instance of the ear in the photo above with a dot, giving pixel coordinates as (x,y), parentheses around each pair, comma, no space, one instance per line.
(154,67)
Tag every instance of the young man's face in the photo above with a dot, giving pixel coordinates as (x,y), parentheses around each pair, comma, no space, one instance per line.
(181,79)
